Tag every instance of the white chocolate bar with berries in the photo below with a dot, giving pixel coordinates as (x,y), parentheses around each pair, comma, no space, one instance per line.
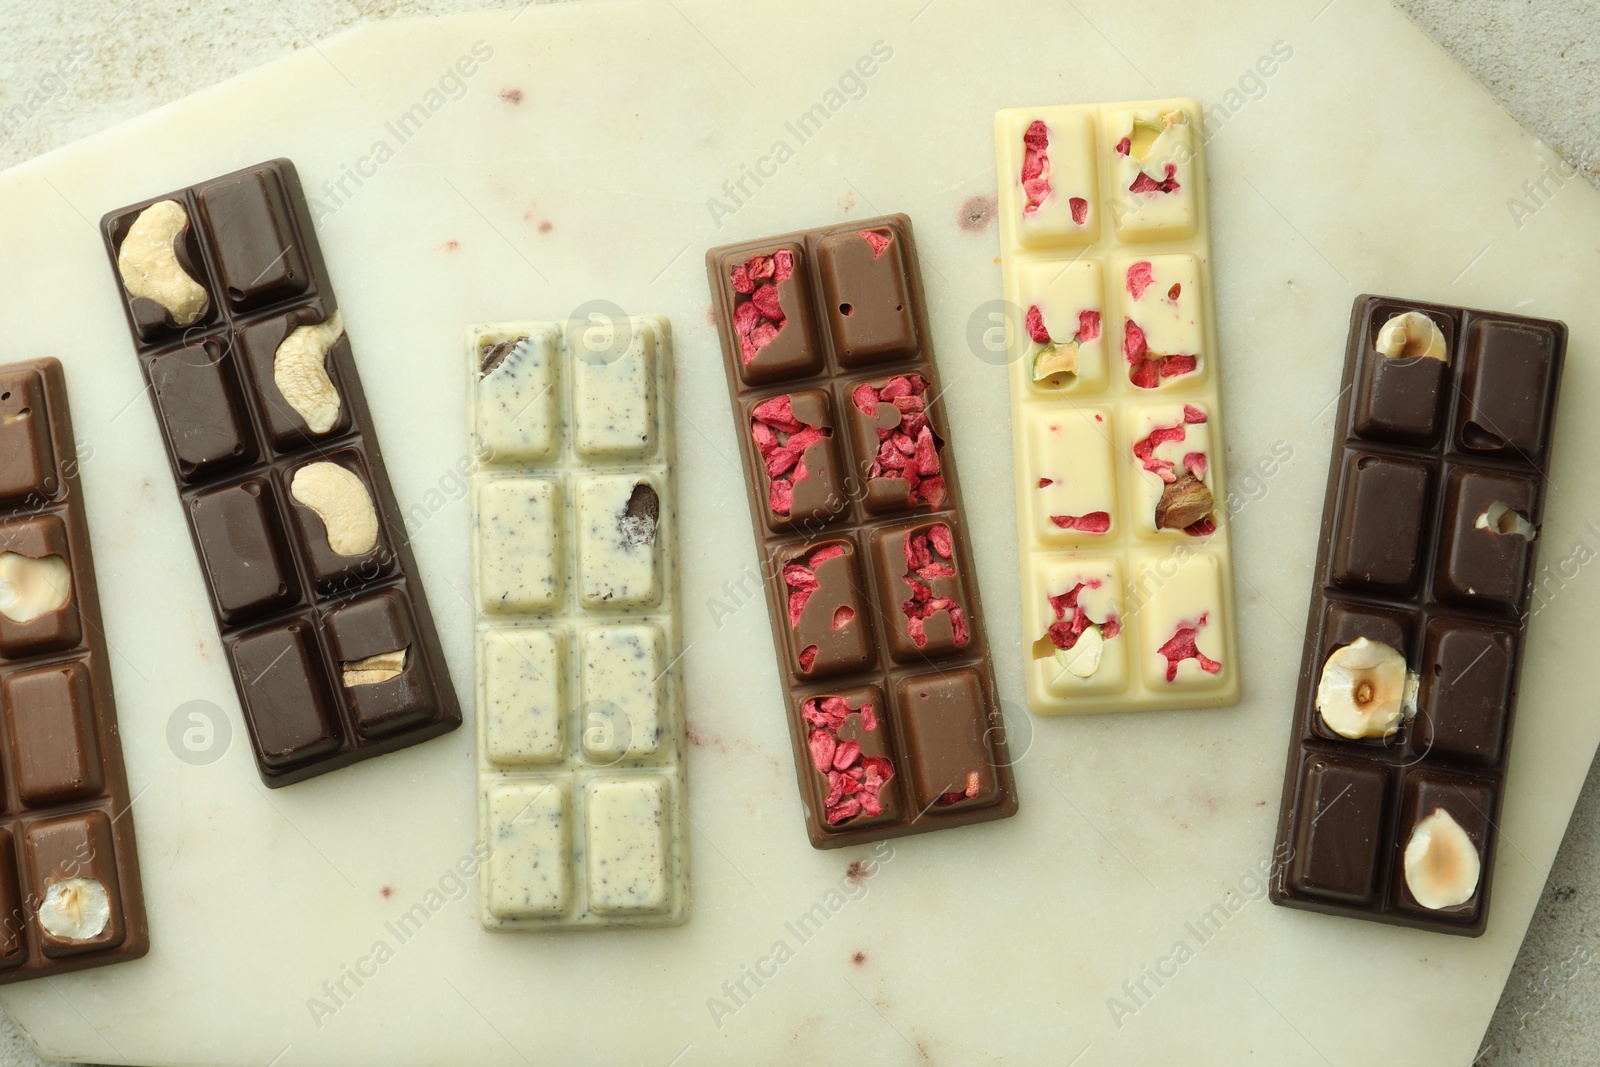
(581,730)
(1127,586)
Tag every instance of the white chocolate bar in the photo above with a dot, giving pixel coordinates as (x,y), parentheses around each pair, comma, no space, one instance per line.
(581,754)
(1114,396)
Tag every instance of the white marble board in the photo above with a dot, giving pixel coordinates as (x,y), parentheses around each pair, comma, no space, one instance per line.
(577,163)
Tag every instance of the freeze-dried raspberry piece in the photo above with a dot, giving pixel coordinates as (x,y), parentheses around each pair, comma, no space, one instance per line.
(865,397)
(1192,414)
(1124,146)
(800,577)
(782,265)
(1035,323)
(1139,278)
(1201,527)
(779,460)
(927,455)
(878,241)
(846,754)
(842,617)
(1134,345)
(1044,482)
(1196,464)
(1095,522)
(929,491)
(941,540)
(869,721)
(808,656)
(742,282)
(1144,450)
(1146,184)
(902,385)
(958,624)
(1183,645)
(843,810)
(1080,209)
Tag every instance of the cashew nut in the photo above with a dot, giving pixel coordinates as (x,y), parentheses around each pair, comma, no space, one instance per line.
(300,371)
(148,263)
(342,502)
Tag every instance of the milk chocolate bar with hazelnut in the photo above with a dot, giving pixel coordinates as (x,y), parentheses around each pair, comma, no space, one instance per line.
(324,624)
(1415,639)
(70,894)
(890,695)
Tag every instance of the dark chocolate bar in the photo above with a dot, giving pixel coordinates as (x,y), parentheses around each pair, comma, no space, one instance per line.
(891,701)
(1415,637)
(70,894)
(313,585)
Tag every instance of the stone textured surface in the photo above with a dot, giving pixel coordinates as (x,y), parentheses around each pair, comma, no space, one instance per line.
(70,70)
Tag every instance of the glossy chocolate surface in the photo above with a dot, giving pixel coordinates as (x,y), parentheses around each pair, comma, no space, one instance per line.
(290,609)
(1412,557)
(869,577)
(66,811)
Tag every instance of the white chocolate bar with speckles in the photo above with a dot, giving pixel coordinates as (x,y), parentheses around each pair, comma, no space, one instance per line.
(581,733)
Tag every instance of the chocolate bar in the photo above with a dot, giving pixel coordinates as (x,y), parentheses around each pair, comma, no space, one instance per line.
(1127,587)
(873,597)
(581,741)
(324,625)
(70,894)
(1414,643)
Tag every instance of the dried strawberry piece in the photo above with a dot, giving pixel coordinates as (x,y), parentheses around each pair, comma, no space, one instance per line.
(765,301)
(1134,345)
(742,282)
(1124,146)
(842,617)
(1196,464)
(1201,527)
(843,810)
(910,405)
(1173,366)
(1111,627)
(825,553)
(1145,450)
(800,577)
(1146,374)
(779,414)
(919,592)
(1045,482)
(1035,324)
(1080,209)
(808,656)
(941,539)
(877,240)
(876,766)
(780,496)
(1183,645)
(811,711)
(1146,184)
(1192,414)
(823,747)
(900,385)
(804,439)
(1088,326)
(869,721)
(1139,278)
(914,630)
(931,492)
(846,754)
(745,318)
(835,788)
(958,624)
(1095,522)
(782,265)
(865,397)
(870,805)
(918,549)
(927,456)
(779,460)
(936,570)
(761,267)
(797,606)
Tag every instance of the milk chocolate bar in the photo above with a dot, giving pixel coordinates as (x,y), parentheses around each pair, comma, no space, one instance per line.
(581,739)
(1417,628)
(70,894)
(310,575)
(891,702)
(1127,586)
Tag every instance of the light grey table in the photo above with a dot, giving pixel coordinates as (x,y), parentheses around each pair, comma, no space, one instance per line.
(1538,57)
